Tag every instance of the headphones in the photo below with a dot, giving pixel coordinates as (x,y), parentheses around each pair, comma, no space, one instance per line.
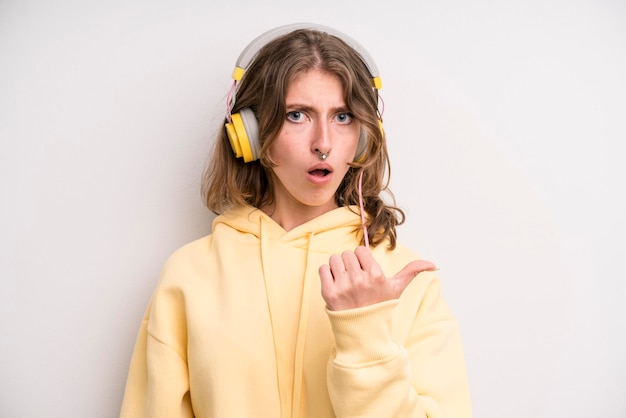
(243,128)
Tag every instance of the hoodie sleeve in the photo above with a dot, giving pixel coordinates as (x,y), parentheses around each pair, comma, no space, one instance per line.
(371,374)
(158,380)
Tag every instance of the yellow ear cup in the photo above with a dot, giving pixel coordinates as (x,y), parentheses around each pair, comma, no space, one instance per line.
(243,134)
(231,131)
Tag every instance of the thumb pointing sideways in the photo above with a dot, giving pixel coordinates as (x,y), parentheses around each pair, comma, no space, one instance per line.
(402,279)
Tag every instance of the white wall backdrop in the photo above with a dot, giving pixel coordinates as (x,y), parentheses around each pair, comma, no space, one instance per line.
(506,123)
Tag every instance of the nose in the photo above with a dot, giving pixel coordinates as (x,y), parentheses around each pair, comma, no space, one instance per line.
(321,142)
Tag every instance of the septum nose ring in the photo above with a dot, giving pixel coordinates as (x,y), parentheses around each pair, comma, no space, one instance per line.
(321,155)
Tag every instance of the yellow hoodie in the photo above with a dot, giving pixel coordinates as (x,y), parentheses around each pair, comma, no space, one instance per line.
(237,328)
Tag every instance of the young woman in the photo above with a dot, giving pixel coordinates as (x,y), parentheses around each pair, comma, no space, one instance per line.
(300,303)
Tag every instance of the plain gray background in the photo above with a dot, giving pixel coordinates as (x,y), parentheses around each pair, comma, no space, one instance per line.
(506,129)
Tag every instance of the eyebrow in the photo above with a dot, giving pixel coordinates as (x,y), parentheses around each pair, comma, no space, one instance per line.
(308,108)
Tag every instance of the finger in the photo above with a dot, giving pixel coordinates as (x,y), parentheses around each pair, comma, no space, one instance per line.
(336,264)
(408,273)
(369,264)
(326,276)
(350,261)
(365,257)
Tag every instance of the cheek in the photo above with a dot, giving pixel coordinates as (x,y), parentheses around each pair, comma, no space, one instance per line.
(350,148)
(274,151)
(278,147)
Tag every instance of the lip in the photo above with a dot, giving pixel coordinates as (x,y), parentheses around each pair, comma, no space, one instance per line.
(317,179)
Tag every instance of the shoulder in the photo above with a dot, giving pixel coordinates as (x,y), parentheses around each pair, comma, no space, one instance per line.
(190,250)
(186,261)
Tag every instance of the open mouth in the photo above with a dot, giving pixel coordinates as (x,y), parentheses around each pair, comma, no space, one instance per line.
(319,173)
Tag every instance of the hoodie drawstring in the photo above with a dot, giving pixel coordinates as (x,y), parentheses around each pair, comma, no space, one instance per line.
(278,331)
(305,309)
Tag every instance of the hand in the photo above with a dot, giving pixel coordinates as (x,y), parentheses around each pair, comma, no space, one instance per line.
(354,279)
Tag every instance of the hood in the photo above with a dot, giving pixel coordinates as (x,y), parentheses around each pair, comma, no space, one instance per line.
(332,231)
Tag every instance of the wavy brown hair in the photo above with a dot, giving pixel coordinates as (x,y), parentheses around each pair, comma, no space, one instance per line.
(228,181)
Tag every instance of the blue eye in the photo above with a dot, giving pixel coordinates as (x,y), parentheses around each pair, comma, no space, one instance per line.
(344,118)
(295,116)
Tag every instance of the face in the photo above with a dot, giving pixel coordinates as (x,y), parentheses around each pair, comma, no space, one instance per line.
(317,120)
